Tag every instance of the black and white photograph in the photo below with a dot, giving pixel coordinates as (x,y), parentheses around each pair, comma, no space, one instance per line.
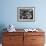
(25,14)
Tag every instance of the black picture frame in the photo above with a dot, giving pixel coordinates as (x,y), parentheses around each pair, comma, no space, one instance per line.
(26,14)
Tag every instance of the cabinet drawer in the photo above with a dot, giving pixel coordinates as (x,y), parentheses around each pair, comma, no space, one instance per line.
(20,44)
(37,44)
(12,39)
(33,40)
(34,33)
(13,33)
(37,39)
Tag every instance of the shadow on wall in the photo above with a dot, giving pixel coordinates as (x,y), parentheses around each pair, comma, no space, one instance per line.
(2,26)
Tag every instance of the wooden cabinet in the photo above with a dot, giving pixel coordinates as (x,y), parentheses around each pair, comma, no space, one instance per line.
(23,39)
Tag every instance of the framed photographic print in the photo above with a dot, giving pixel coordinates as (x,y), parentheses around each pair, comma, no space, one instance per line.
(26,14)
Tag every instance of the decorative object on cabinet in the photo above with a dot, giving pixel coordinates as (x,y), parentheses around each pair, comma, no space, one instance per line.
(26,14)
(23,38)
(26,30)
(11,28)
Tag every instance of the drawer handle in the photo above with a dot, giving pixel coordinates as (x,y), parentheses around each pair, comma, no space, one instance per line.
(11,38)
(33,39)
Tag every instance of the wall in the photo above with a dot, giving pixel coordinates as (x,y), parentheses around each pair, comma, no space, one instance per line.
(8,13)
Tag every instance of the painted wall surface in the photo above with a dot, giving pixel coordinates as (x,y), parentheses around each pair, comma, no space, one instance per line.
(8,13)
